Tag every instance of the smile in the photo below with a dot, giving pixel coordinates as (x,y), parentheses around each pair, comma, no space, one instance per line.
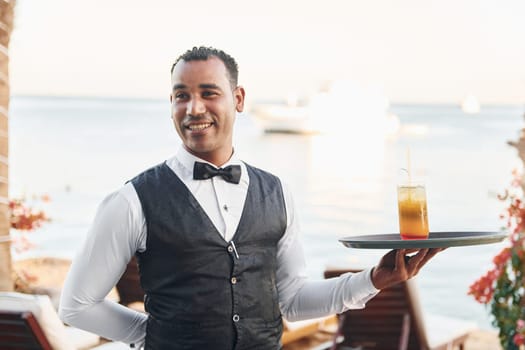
(198,127)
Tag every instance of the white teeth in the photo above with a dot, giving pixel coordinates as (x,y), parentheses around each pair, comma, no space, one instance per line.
(199,126)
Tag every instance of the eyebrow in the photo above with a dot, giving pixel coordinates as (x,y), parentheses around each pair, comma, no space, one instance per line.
(201,86)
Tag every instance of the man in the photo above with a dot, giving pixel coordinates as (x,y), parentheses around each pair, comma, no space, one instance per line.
(216,239)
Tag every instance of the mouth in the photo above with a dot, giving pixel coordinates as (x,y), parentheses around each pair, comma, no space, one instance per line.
(198,126)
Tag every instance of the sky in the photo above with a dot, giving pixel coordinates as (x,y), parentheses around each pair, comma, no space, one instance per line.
(415,51)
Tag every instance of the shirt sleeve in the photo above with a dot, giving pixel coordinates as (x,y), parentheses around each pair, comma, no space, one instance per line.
(116,234)
(301,298)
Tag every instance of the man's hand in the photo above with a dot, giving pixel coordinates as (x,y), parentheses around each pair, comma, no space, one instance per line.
(398,266)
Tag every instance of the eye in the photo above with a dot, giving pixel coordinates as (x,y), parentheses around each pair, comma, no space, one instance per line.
(181,95)
(207,94)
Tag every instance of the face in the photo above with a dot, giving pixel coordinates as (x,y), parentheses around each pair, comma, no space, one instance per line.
(203,108)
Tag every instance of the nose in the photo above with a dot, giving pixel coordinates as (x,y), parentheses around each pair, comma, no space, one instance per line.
(196,107)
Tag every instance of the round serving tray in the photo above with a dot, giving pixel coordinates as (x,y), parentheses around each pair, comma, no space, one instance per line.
(435,240)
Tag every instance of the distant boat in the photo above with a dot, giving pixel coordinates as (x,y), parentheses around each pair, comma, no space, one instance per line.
(285,119)
(344,107)
(470,104)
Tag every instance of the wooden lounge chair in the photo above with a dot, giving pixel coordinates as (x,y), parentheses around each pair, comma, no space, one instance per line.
(293,331)
(20,330)
(29,321)
(393,319)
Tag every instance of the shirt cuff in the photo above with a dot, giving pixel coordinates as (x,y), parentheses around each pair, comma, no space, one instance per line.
(367,275)
(359,289)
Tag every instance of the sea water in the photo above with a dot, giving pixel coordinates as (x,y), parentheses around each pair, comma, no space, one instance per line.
(78,150)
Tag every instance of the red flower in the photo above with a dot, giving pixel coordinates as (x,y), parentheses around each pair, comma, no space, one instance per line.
(25,218)
(502,286)
(483,289)
(519,339)
(502,257)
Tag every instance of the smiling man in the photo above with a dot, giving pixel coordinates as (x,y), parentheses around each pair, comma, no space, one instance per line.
(204,102)
(217,240)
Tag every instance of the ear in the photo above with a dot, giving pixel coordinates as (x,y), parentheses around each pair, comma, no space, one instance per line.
(171,98)
(239,95)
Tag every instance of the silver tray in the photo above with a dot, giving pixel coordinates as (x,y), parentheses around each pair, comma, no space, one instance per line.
(434,240)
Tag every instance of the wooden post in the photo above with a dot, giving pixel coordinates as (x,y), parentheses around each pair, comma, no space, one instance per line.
(6,27)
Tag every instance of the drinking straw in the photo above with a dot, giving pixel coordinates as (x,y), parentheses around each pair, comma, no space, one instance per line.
(408,167)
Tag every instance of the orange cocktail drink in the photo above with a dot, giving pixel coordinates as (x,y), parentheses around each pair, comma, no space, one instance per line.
(412,205)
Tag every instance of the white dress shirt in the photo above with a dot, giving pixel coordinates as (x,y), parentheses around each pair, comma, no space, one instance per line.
(119,230)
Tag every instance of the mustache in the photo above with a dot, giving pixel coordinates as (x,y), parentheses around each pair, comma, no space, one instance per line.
(196,117)
(191,118)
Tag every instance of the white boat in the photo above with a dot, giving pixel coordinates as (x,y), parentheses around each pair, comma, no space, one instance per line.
(344,107)
(470,104)
(284,118)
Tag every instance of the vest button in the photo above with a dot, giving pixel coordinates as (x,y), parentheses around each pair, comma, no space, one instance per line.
(235,318)
(230,248)
(234,280)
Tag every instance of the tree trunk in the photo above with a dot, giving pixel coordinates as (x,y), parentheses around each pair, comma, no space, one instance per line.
(6,27)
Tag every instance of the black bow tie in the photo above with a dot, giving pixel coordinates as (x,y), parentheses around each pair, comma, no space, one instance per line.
(204,171)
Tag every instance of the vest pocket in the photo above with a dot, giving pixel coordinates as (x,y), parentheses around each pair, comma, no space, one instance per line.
(260,334)
(179,334)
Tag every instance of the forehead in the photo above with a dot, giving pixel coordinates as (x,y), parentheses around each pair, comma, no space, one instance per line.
(197,72)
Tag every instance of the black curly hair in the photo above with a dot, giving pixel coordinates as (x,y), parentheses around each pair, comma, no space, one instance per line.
(202,53)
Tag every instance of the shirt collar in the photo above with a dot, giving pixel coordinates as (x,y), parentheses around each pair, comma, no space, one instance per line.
(187,160)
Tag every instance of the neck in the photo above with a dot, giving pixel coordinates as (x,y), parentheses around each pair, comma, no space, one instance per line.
(216,158)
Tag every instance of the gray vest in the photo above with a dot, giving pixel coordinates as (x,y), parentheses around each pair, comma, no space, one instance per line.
(201,291)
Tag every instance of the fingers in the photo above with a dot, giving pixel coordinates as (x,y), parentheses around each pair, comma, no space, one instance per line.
(430,254)
(400,260)
(410,264)
(417,261)
(400,265)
